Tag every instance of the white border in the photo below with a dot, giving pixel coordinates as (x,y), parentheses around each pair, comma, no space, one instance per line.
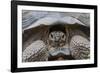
(53,63)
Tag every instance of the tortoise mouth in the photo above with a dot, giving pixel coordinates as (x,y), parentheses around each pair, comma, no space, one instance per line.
(57,43)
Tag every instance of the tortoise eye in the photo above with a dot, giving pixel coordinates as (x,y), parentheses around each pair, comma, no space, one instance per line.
(63,36)
(51,36)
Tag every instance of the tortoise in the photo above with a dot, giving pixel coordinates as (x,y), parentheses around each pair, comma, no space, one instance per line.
(56,38)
